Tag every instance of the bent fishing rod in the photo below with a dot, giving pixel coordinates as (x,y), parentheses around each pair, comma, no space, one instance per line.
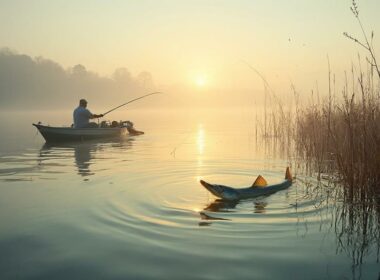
(130,101)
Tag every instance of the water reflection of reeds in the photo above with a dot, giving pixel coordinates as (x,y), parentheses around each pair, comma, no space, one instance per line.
(357,231)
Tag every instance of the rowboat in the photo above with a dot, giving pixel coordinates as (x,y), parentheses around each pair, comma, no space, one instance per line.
(67,134)
(258,188)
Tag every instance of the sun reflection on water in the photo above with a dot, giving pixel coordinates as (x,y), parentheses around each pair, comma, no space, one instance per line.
(201,139)
(201,147)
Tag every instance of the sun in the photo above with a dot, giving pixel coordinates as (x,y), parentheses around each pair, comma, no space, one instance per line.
(200,81)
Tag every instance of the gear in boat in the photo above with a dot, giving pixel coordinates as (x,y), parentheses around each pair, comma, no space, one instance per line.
(127,124)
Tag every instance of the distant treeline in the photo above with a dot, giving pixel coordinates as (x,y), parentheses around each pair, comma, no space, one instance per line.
(39,83)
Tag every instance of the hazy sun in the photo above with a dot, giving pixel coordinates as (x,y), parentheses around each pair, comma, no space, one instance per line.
(200,81)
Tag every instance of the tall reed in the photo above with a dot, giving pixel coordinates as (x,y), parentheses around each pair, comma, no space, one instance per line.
(341,136)
(338,137)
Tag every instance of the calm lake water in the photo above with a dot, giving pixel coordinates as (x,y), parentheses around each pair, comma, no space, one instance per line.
(134,209)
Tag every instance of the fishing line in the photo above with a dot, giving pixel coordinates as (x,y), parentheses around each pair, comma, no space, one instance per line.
(180,144)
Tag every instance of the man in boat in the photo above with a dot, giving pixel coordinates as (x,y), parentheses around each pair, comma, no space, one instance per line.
(82,116)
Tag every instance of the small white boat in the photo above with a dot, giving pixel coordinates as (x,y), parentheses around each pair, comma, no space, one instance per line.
(67,134)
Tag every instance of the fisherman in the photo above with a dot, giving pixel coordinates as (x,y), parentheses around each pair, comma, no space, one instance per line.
(82,116)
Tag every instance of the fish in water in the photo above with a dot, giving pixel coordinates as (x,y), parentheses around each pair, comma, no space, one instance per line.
(258,188)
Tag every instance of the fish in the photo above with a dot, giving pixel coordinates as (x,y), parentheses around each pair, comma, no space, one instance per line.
(258,188)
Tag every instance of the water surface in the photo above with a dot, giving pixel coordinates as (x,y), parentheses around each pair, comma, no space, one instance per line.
(133,208)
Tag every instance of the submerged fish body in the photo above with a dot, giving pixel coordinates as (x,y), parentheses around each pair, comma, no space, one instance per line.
(230,193)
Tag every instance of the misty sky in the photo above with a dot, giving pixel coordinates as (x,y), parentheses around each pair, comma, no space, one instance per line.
(195,43)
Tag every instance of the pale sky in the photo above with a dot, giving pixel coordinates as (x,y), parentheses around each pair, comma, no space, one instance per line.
(197,42)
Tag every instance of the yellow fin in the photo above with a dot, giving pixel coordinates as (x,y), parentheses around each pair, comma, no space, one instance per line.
(260,182)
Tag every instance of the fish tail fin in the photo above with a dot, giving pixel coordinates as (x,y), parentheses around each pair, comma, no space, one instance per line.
(288,175)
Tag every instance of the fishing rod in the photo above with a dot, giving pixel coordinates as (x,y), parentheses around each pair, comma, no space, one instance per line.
(130,101)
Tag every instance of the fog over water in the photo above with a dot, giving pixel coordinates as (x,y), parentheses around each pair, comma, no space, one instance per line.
(38,83)
(28,83)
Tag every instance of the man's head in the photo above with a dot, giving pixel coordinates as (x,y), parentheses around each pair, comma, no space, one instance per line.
(83,103)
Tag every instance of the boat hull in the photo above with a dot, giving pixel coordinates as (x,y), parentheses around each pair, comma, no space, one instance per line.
(68,134)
